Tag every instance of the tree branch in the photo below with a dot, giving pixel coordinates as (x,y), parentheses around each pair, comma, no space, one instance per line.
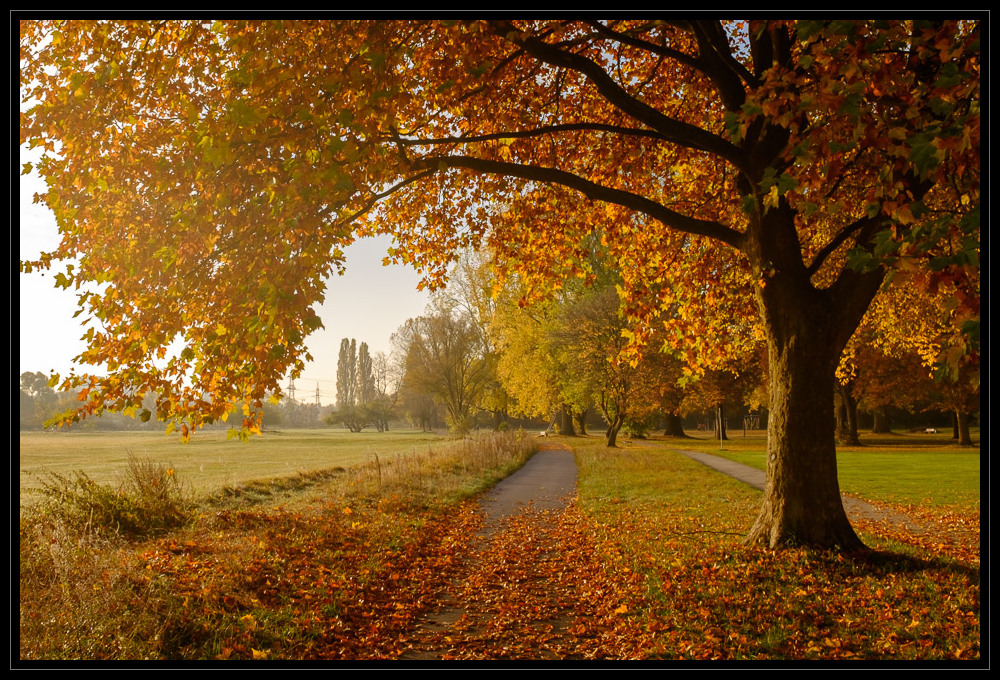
(593,191)
(638,43)
(527,134)
(376,197)
(717,62)
(677,132)
(865,224)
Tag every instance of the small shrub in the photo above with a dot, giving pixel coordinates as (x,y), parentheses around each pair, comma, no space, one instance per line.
(149,500)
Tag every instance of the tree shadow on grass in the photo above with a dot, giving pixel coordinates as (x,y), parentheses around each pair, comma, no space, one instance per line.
(881,562)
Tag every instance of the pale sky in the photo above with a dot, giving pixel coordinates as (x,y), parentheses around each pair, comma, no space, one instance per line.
(368,303)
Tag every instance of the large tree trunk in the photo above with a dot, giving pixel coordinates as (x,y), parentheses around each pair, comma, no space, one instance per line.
(675,426)
(802,503)
(807,329)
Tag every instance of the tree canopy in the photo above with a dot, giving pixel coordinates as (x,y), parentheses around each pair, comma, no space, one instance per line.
(763,174)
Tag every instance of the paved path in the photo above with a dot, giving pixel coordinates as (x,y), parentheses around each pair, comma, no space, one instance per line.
(855,508)
(549,478)
(474,613)
(545,482)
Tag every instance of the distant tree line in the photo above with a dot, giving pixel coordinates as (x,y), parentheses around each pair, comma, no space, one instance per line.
(481,357)
(39,403)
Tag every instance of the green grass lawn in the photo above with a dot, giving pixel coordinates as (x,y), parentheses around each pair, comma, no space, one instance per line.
(903,468)
(681,525)
(210,461)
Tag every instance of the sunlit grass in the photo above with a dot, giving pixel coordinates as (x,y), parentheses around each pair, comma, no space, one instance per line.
(338,566)
(708,595)
(895,468)
(269,565)
(211,461)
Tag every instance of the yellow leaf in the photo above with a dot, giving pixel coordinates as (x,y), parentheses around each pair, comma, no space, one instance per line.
(258,653)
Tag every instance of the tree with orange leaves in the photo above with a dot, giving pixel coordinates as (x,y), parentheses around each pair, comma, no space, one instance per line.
(780,166)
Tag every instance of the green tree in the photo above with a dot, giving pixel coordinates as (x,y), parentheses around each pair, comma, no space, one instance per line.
(445,359)
(350,382)
(473,290)
(525,367)
(591,345)
(366,380)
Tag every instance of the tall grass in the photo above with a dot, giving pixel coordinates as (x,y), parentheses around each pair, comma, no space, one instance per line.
(443,475)
(148,499)
(80,595)
(97,578)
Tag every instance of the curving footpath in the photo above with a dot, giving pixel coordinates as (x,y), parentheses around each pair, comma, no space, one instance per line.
(548,480)
(541,489)
(502,593)
(755,478)
(856,508)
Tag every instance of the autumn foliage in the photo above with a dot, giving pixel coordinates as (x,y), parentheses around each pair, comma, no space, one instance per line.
(778,169)
(647,564)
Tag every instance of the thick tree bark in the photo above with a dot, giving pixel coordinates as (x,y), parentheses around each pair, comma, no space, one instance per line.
(807,329)
(675,426)
(802,503)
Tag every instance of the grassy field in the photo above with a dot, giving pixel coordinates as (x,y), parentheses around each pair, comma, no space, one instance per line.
(276,562)
(707,595)
(896,468)
(344,570)
(210,461)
